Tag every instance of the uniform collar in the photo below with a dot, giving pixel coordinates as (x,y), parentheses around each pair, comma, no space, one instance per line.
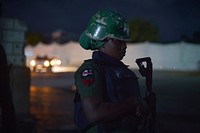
(103,58)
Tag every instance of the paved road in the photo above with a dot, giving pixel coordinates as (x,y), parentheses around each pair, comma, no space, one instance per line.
(52,100)
(178,101)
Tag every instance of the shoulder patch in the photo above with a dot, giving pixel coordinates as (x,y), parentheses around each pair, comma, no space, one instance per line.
(87,77)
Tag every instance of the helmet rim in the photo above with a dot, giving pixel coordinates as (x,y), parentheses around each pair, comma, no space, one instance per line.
(104,24)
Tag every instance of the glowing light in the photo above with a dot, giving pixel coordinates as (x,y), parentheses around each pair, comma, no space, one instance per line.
(32,63)
(57,69)
(52,62)
(55,62)
(58,62)
(46,63)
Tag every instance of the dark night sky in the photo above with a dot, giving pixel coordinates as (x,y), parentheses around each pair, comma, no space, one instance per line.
(173,17)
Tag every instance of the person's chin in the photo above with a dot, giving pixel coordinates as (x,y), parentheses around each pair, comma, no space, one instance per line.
(121,57)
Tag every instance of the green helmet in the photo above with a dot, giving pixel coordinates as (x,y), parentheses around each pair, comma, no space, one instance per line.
(104,24)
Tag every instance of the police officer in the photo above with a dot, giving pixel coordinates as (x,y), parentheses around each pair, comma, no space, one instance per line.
(109,90)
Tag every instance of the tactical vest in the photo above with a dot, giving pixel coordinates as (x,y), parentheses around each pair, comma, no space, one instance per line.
(121,83)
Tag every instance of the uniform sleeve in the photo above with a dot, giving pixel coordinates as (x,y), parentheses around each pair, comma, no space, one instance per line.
(90,81)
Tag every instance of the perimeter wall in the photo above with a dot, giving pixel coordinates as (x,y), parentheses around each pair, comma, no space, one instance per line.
(174,56)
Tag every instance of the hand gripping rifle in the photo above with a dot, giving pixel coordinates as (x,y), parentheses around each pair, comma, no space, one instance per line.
(145,69)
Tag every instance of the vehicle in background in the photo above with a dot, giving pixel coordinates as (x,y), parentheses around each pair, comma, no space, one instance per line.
(44,64)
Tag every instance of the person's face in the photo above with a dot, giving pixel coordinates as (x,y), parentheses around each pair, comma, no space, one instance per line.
(115,48)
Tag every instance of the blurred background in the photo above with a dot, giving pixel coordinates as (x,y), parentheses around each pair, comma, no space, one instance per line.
(40,53)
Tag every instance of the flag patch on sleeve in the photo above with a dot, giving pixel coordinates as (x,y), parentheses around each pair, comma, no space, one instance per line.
(87,77)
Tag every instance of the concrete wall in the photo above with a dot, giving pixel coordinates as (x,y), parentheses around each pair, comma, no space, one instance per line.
(175,56)
(12,38)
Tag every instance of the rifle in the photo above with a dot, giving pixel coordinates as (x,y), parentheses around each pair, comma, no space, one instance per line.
(145,69)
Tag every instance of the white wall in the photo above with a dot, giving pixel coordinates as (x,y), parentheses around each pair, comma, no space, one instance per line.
(174,56)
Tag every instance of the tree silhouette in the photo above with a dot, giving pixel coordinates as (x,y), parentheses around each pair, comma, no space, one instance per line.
(141,30)
(32,38)
(196,37)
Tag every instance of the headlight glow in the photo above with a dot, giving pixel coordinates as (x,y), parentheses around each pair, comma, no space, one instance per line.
(32,63)
(58,62)
(52,62)
(46,63)
(55,62)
